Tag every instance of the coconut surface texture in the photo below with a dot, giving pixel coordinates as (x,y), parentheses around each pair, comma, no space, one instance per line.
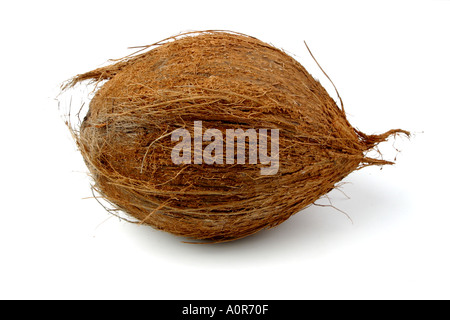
(225,80)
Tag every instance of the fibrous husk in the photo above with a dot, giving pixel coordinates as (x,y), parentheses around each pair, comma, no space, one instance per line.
(228,81)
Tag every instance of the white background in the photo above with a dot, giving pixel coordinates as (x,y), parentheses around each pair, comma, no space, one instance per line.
(390,62)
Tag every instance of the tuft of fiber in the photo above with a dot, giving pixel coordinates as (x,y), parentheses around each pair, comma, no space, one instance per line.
(226,80)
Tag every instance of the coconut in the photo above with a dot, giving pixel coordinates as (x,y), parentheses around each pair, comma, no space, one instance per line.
(158,137)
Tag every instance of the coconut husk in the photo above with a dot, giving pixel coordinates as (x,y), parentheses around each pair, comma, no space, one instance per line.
(228,81)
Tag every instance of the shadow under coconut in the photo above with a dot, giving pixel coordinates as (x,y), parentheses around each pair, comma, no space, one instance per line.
(314,231)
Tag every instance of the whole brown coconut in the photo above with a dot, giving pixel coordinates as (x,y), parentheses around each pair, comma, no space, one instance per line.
(227,81)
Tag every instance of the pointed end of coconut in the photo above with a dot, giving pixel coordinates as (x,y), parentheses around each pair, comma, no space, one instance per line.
(371,141)
(95,76)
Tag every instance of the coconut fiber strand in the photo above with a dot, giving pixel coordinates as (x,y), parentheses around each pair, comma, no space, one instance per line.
(225,80)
